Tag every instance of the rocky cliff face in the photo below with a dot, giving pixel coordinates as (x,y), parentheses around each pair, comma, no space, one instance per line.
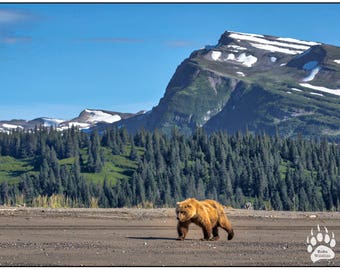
(256,82)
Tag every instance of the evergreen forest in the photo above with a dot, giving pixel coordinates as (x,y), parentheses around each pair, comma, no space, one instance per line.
(49,168)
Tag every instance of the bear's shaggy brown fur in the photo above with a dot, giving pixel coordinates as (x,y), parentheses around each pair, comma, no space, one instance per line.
(207,214)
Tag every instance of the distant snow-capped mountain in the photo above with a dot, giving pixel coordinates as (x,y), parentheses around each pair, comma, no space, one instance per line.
(88,118)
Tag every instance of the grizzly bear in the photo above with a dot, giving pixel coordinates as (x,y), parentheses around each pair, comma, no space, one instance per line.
(207,214)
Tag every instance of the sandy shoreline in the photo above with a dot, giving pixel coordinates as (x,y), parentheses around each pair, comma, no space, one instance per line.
(146,237)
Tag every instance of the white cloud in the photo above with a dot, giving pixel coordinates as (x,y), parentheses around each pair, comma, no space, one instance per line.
(8,16)
(179,43)
(11,20)
(112,40)
(13,40)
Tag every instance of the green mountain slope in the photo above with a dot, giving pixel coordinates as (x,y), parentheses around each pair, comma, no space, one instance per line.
(116,167)
(254,82)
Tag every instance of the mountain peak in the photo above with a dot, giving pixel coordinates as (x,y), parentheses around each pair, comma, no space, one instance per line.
(266,42)
(252,82)
(95,116)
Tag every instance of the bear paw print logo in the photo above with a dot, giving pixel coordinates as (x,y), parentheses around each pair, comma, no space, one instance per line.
(320,245)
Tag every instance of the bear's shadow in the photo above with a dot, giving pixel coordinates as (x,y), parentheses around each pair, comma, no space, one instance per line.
(151,238)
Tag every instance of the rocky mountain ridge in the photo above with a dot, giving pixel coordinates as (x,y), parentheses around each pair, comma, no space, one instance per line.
(87,119)
(258,83)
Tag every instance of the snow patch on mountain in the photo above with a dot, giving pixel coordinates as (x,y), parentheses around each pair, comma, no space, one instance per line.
(207,116)
(293,40)
(247,34)
(312,75)
(215,55)
(75,124)
(51,122)
(337,61)
(296,89)
(268,42)
(246,60)
(322,89)
(10,126)
(316,94)
(273,59)
(272,48)
(236,47)
(230,56)
(100,116)
(240,73)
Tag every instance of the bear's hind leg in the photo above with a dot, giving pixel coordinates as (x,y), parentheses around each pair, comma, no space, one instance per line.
(182,229)
(215,234)
(225,224)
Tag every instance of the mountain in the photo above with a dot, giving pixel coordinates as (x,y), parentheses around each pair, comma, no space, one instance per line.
(258,83)
(90,118)
(87,119)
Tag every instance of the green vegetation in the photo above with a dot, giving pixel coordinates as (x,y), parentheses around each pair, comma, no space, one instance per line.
(150,169)
(116,167)
(12,169)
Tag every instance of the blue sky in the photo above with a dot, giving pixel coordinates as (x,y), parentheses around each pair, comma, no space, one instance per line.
(58,59)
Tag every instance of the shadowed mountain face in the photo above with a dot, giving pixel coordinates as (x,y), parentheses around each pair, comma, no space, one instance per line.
(252,82)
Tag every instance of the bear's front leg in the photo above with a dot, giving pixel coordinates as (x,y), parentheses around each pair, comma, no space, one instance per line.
(207,230)
(182,230)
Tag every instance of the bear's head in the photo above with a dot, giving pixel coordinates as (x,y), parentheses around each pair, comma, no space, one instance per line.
(185,210)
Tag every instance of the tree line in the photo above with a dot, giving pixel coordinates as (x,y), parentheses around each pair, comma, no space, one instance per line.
(271,172)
